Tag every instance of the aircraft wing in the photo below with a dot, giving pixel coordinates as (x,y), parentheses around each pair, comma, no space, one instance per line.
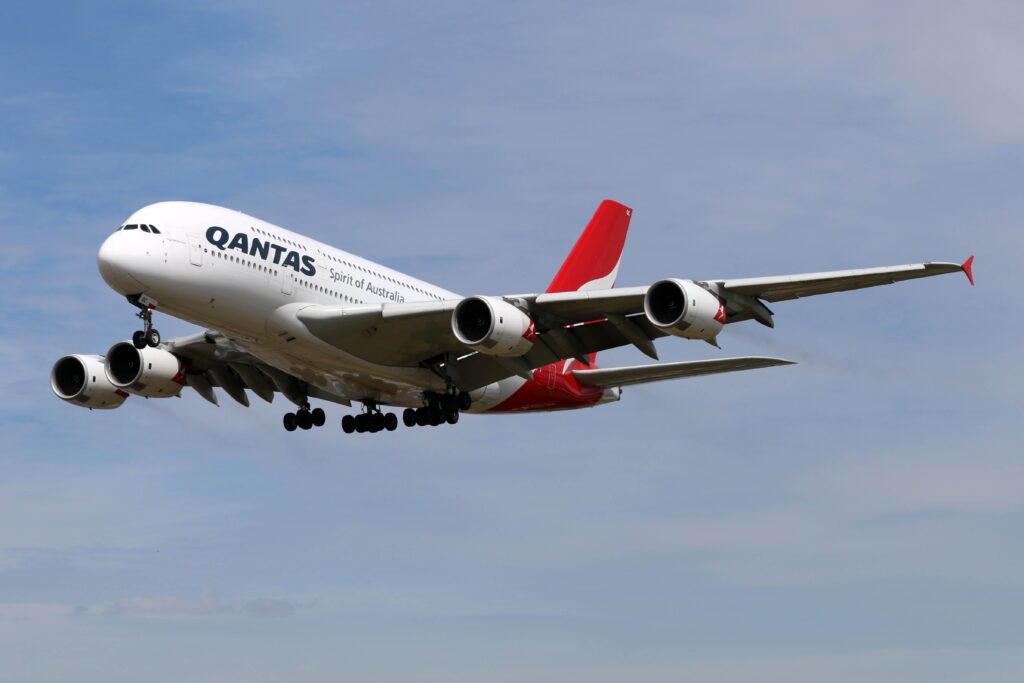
(785,287)
(568,324)
(642,374)
(211,360)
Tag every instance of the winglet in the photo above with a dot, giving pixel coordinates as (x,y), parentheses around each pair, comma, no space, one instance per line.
(967,266)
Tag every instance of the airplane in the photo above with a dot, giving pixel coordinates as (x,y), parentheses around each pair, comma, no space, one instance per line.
(285,313)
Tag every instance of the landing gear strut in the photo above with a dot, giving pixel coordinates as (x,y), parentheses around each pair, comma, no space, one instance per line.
(371,420)
(304,418)
(148,335)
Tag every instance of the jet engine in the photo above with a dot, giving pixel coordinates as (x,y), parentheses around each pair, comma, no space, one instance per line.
(684,309)
(150,372)
(81,380)
(493,326)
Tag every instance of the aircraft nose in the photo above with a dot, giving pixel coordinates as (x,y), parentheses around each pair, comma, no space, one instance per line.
(115,260)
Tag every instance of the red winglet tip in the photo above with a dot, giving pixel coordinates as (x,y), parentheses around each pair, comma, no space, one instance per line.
(967,266)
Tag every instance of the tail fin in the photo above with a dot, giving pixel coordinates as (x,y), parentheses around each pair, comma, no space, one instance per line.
(593,262)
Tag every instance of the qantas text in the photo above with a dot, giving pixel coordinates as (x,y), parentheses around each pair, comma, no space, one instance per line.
(222,239)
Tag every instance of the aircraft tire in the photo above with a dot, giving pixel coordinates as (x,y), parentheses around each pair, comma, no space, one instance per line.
(303,419)
(391,422)
(153,337)
(348,424)
(452,417)
(409,417)
(422,417)
(289,422)
(139,339)
(319,417)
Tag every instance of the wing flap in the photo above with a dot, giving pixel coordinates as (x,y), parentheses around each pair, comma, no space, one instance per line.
(605,378)
(212,360)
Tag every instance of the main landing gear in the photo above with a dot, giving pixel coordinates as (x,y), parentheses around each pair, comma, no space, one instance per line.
(440,409)
(372,420)
(304,418)
(148,335)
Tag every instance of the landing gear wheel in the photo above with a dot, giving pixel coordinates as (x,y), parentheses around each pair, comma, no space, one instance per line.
(361,423)
(139,339)
(391,422)
(304,419)
(319,417)
(464,400)
(422,417)
(409,417)
(289,422)
(152,337)
(378,421)
(452,417)
(348,424)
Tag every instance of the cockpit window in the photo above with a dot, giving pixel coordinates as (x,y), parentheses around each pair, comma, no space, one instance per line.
(131,226)
(155,231)
(144,228)
(119,228)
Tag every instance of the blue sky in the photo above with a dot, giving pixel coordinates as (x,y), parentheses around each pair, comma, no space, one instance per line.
(856,516)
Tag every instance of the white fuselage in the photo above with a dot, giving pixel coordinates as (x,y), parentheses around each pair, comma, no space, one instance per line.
(245,277)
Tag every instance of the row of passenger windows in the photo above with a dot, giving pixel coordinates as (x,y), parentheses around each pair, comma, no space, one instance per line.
(277,237)
(350,265)
(380,275)
(346,263)
(238,259)
(273,271)
(329,292)
(140,226)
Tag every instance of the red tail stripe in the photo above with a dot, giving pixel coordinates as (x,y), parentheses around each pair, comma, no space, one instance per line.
(598,249)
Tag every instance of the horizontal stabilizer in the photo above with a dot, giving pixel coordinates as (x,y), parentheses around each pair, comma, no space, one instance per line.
(642,374)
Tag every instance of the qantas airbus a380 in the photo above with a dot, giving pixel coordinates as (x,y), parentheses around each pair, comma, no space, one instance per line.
(287,313)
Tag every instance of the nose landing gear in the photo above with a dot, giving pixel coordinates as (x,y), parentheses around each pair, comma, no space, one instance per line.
(148,335)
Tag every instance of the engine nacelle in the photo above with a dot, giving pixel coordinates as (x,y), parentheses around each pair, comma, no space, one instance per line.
(493,326)
(81,380)
(149,372)
(684,309)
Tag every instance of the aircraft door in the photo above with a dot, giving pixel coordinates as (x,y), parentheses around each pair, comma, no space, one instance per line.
(195,251)
(287,283)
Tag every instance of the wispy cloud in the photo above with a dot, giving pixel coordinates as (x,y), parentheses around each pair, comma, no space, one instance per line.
(203,606)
